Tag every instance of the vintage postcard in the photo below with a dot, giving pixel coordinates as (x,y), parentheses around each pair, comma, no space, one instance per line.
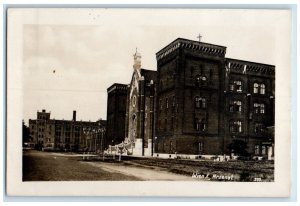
(148,102)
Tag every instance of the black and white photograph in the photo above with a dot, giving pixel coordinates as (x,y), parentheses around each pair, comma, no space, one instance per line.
(148,98)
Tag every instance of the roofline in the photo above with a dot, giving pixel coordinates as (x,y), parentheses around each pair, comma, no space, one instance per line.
(148,70)
(270,65)
(191,41)
(116,84)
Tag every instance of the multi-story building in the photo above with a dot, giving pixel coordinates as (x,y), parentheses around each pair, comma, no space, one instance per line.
(203,102)
(68,135)
(116,113)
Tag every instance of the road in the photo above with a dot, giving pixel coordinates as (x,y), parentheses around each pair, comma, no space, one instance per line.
(47,166)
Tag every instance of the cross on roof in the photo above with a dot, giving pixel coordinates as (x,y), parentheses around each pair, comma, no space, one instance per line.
(199,37)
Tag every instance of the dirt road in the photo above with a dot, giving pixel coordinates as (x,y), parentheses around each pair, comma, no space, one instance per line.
(45,166)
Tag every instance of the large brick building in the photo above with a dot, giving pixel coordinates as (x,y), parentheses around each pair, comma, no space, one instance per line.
(67,135)
(203,102)
(116,113)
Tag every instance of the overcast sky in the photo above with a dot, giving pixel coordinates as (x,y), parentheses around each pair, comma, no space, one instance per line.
(71,56)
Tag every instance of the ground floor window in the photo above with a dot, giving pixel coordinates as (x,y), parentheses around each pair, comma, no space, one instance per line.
(256,149)
(263,150)
(200,147)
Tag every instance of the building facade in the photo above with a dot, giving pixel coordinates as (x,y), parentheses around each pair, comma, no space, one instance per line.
(203,103)
(67,135)
(116,113)
(140,109)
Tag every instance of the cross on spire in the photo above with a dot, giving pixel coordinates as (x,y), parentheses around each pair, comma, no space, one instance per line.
(199,37)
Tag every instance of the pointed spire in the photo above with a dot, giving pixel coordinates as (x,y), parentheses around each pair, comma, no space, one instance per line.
(137,60)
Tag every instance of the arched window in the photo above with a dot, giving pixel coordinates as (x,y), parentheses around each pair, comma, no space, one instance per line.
(203,125)
(133,100)
(200,125)
(200,102)
(255,88)
(262,89)
(200,80)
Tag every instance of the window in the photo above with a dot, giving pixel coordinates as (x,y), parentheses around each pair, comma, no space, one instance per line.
(200,147)
(173,101)
(235,106)
(263,150)
(259,128)
(235,85)
(203,125)
(167,103)
(200,125)
(200,102)
(231,86)
(262,108)
(259,108)
(235,126)
(238,86)
(256,149)
(259,88)
(255,88)
(200,80)
(134,101)
(262,89)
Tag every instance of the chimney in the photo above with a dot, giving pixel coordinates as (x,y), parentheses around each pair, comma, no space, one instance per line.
(43,110)
(74,115)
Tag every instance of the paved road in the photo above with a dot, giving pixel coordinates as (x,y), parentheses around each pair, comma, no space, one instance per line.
(44,166)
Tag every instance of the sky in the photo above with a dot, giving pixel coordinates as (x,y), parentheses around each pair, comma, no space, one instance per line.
(71,56)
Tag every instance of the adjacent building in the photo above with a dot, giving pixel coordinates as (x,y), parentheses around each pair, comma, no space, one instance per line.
(140,109)
(205,101)
(199,102)
(67,135)
(116,113)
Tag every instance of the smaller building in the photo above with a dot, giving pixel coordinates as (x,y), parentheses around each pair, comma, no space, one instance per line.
(67,135)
